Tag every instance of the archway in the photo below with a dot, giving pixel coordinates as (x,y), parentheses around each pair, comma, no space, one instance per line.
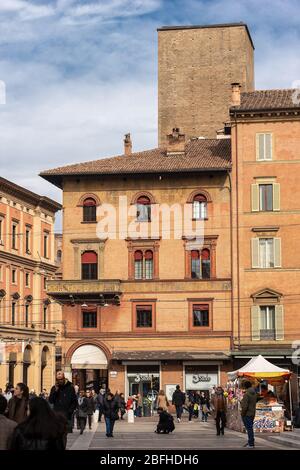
(89,367)
(46,369)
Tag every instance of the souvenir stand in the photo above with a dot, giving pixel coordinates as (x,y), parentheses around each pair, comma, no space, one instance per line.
(269,411)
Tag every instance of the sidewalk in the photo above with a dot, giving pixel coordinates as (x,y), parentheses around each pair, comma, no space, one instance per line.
(140,435)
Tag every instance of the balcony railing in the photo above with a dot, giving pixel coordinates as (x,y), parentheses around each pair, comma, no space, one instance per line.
(69,287)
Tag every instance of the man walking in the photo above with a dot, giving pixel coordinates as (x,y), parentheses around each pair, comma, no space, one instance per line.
(219,409)
(248,409)
(178,399)
(63,398)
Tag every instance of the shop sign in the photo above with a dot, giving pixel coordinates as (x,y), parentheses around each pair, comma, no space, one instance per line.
(201,380)
(142,377)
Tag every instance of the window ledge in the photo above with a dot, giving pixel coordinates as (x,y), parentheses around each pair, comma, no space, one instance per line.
(89,222)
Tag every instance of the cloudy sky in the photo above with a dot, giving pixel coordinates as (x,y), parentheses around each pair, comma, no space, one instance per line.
(81,73)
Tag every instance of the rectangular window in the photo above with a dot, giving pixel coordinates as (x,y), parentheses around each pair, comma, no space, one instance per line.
(266,197)
(27,279)
(45,283)
(13,313)
(46,241)
(264,145)
(267,322)
(89,319)
(13,276)
(45,311)
(200,315)
(89,271)
(14,236)
(148,268)
(196,266)
(138,269)
(27,315)
(1,231)
(144,316)
(27,240)
(266,252)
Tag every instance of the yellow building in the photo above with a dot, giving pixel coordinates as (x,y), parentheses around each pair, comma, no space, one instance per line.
(28,320)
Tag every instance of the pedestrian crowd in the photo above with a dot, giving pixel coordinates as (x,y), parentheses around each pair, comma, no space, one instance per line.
(23,413)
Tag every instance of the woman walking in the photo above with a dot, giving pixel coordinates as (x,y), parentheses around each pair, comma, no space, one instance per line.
(82,411)
(42,429)
(162,401)
(18,404)
(110,409)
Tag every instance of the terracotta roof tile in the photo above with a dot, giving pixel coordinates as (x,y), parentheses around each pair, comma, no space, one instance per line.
(269,99)
(199,155)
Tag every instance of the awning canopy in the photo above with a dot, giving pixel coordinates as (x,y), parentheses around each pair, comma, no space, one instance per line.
(89,356)
(259,368)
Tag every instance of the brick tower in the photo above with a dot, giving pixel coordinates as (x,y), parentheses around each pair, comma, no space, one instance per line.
(196,66)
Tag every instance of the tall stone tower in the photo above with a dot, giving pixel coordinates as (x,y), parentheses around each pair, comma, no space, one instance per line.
(196,66)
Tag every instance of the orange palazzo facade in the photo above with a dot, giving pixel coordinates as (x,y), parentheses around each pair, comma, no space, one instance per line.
(196,267)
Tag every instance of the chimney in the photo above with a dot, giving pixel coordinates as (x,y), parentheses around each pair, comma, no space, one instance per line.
(127,144)
(175,141)
(235,94)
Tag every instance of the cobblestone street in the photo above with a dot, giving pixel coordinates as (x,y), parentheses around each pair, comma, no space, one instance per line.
(140,435)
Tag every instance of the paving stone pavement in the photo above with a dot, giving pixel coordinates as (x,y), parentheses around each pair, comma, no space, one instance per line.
(140,435)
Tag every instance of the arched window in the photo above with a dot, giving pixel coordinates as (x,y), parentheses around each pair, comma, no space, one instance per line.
(199,207)
(89,265)
(89,210)
(143,264)
(205,263)
(195,264)
(200,264)
(148,264)
(143,209)
(138,264)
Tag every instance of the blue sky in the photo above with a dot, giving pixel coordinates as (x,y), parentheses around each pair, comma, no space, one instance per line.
(80,74)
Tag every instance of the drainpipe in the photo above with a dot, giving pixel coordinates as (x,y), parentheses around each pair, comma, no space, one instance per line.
(237,231)
(231,263)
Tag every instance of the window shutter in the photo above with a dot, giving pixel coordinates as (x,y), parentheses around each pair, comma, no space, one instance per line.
(255,252)
(277,252)
(279,322)
(268,147)
(255,322)
(255,197)
(276,197)
(259,146)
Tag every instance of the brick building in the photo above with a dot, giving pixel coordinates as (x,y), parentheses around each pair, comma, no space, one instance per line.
(28,320)
(144,311)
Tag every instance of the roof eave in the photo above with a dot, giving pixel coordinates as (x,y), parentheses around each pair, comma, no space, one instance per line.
(57,179)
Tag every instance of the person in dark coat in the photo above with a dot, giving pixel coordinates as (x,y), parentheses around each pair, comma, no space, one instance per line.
(82,411)
(178,399)
(122,405)
(100,401)
(166,422)
(63,398)
(91,407)
(42,430)
(110,410)
(18,404)
(248,410)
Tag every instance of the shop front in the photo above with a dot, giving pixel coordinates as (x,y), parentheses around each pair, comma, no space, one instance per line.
(144,380)
(201,377)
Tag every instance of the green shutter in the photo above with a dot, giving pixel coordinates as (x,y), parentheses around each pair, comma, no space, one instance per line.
(279,322)
(276,196)
(277,252)
(255,197)
(255,252)
(255,322)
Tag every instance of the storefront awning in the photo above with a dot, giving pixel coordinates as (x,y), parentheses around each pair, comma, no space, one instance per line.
(88,356)
(170,355)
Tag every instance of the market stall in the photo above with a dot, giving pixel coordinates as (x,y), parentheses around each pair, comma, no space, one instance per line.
(270,381)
